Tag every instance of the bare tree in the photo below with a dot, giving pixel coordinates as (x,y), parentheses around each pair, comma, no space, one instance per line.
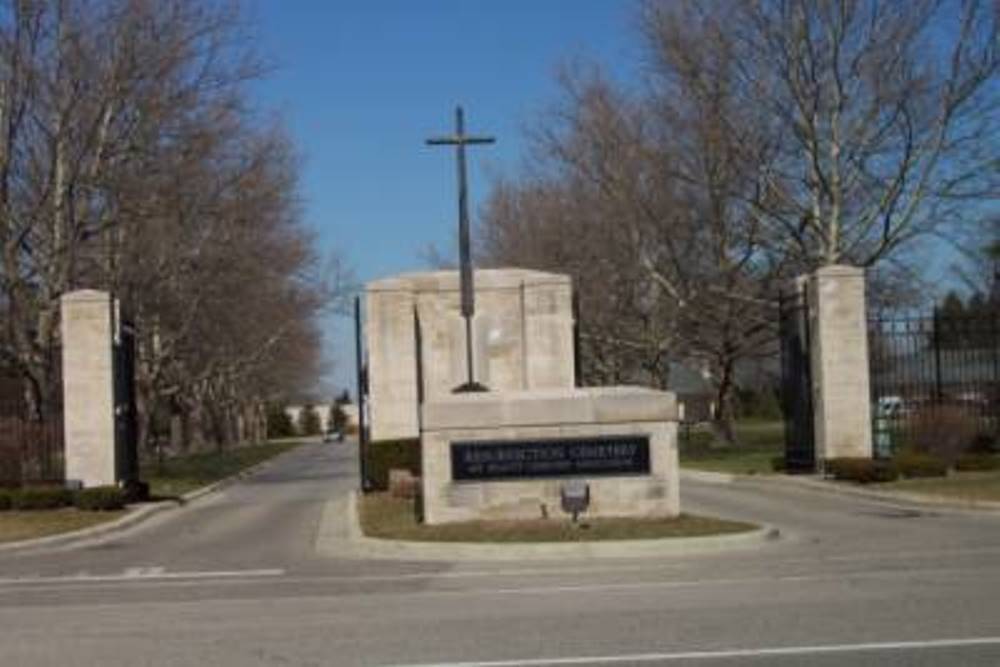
(888,113)
(131,160)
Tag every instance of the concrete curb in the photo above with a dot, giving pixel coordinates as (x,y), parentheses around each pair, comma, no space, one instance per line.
(693,475)
(340,536)
(135,515)
(816,483)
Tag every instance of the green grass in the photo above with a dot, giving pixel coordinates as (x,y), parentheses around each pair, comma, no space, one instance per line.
(394,518)
(15,526)
(182,474)
(974,486)
(760,442)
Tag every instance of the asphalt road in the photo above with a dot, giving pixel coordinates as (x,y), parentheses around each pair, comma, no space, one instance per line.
(234,579)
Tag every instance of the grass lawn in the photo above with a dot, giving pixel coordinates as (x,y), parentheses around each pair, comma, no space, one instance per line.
(394,518)
(182,474)
(960,486)
(16,526)
(760,442)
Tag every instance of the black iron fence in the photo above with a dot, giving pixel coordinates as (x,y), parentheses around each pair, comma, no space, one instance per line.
(31,438)
(935,381)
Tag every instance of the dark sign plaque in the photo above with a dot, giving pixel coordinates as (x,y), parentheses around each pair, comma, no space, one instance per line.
(538,458)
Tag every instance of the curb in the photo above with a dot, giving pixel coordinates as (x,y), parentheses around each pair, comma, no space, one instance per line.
(694,475)
(135,515)
(340,535)
(815,483)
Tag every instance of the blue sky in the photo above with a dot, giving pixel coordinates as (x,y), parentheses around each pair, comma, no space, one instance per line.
(361,84)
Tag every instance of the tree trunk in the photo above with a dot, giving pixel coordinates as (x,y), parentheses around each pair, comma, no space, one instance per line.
(724,414)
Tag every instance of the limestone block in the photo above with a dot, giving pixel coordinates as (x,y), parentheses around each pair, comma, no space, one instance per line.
(549,415)
(839,363)
(522,339)
(88,387)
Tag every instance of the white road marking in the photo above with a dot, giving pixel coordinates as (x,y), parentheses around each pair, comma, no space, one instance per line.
(729,653)
(140,574)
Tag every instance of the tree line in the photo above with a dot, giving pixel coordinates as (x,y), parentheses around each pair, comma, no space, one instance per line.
(767,138)
(133,160)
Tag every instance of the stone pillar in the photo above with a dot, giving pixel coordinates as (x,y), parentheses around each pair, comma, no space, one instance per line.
(88,387)
(839,362)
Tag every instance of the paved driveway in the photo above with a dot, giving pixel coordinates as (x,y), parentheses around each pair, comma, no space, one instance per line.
(234,580)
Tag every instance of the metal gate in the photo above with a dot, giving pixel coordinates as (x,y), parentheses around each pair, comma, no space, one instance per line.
(126,424)
(796,383)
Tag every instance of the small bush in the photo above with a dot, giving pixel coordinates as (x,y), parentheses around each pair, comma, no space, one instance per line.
(136,491)
(861,471)
(778,464)
(916,464)
(945,431)
(279,424)
(5,500)
(984,443)
(385,455)
(40,498)
(100,499)
(977,462)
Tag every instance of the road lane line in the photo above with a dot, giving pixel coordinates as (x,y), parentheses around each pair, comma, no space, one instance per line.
(141,574)
(727,653)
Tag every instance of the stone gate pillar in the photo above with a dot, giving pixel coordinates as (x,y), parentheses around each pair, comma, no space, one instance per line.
(88,322)
(839,362)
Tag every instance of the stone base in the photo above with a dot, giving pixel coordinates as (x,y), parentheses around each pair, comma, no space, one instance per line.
(549,414)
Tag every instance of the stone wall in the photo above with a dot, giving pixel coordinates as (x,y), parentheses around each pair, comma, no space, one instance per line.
(549,415)
(522,332)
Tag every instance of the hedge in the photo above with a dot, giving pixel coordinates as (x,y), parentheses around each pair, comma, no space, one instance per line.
(977,462)
(384,455)
(861,470)
(915,464)
(40,498)
(100,499)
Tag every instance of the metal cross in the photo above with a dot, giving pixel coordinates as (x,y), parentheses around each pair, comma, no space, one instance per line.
(460,140)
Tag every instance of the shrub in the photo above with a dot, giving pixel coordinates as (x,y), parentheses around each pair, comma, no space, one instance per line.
(100,498)
(984,443)
(778,464)
(945,431)
(136,491)
(5,500)
(917,464)
(862,471)
(279,424)
(309,421)
(383,456)
(338,418)
(977,462)
(40,498)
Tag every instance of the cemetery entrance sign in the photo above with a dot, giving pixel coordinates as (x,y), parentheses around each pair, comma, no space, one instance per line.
(568,457)
(509,455)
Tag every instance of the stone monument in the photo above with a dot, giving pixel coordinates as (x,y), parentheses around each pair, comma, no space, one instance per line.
(509,452)
(522,339)
(504,432)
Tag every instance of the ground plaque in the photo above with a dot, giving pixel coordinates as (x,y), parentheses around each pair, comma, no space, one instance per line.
(535,458)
